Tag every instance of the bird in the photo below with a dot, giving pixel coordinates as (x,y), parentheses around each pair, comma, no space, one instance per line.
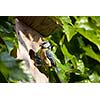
(46,55)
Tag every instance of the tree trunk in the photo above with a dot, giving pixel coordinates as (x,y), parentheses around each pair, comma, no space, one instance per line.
(29,39)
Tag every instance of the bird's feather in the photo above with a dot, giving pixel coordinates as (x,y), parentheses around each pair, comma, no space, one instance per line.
(50,57)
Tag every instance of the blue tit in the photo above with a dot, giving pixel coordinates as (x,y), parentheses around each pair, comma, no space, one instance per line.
(46,55)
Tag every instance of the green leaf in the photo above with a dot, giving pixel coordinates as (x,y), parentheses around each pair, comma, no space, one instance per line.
(83,23)
(63,70)
(89,52)
(69,31)
(97,19)
(62,40)
(68,27)
(90,35)
(81,66)
(13,70)
(65,19)
(94,78)
(71,57)
(4,70)
(7,59)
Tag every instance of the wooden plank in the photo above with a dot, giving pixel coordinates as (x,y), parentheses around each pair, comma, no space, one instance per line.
(42,24)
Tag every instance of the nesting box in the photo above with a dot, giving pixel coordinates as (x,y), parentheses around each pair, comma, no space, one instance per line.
(45,25)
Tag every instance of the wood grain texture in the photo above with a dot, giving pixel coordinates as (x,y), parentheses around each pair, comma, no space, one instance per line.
(44,25)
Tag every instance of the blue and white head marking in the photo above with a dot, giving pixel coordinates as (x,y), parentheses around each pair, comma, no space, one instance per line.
(45,44)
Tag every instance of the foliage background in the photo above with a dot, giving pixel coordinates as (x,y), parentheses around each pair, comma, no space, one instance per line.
(75,46)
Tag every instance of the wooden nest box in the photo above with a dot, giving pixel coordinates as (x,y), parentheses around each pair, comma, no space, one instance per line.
(30,31)
(45,25)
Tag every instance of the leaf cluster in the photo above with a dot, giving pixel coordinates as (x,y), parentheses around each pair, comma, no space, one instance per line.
(11,69)
(76,47)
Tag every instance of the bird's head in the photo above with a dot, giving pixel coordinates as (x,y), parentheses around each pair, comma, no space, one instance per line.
(46,45)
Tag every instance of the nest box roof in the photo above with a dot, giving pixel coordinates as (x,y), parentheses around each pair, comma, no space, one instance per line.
(45,25)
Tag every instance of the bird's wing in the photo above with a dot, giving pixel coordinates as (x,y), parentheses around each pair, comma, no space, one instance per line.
(50,57)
